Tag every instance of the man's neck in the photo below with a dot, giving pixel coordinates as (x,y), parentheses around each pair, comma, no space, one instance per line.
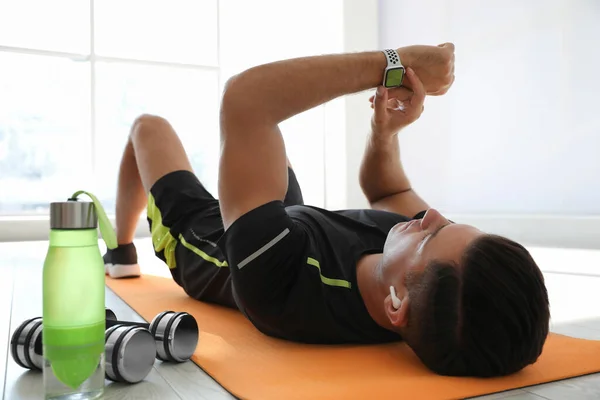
(370,286)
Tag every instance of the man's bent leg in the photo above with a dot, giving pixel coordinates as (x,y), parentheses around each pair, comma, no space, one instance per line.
(293,197)
(158,150)
(184,217)
(152,150)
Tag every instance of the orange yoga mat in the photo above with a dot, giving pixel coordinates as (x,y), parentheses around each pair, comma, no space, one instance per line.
(255,367)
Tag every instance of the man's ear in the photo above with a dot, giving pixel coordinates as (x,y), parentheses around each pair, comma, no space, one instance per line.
(397,317)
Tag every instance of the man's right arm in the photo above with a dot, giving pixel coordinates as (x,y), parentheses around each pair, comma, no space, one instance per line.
(383,180)
(382,176)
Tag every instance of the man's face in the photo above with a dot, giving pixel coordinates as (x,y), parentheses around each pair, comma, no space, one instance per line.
(411,246)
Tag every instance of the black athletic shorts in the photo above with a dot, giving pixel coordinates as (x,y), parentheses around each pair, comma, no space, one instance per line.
(186,226)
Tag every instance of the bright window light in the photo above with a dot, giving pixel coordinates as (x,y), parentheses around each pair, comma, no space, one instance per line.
(74,74)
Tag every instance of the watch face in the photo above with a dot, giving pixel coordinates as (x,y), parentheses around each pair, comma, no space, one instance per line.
(394,77)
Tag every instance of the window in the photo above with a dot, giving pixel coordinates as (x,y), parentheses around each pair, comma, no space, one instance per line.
(74,74)
(44,108)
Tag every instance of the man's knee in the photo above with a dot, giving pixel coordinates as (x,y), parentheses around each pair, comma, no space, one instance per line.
(157,148)
(148,125)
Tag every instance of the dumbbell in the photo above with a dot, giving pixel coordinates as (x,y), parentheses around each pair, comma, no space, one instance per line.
(130,347)
(129,352)
(129,361)
(175,334)
(26,342)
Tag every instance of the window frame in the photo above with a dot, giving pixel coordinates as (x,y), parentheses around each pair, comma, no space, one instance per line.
(346,121)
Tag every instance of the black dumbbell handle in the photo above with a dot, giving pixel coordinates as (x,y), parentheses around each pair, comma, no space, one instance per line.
(110,323)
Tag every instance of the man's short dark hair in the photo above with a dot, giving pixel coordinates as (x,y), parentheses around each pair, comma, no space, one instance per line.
(488,316)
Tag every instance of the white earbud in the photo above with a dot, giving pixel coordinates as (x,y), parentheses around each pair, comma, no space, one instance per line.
(396,302)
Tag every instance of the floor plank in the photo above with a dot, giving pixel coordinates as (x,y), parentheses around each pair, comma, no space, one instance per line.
(191,383)
(577,331)
(523,396)
(573,298)
(153,387)
(589,323)
(23,384)
(6,293)
(27,303)
(580,388)
(501,395)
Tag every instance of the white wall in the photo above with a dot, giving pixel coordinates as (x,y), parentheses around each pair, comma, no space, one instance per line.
(360,34)
(515,144)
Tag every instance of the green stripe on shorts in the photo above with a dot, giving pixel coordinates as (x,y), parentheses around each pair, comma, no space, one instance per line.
(162,239)
(161,235)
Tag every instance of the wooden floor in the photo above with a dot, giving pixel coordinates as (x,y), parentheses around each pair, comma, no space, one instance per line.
(575,302)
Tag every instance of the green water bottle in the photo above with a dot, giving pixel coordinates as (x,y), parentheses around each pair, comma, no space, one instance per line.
(73,300)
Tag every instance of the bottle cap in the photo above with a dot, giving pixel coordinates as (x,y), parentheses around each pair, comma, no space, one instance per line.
(73,215)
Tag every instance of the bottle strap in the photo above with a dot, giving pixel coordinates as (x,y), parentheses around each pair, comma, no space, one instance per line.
(106,229)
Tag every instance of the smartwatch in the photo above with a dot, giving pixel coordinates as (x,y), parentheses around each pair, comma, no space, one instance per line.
(394,72)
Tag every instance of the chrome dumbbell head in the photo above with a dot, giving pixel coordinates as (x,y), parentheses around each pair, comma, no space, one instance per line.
(130,353)
(26,344)
(175,334)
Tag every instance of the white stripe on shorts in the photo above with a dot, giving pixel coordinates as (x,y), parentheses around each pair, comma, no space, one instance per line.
(266,247)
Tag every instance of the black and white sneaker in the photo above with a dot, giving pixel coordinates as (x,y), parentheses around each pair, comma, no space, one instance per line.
(122,262)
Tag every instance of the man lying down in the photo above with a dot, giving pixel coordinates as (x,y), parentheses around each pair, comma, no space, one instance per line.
(467,302)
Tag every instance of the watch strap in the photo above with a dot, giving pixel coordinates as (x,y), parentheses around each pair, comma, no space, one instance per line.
(393,59)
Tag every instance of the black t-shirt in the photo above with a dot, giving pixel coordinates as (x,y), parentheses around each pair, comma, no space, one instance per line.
(294,271)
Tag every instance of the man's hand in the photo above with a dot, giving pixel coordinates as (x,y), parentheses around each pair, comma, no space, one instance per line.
(433,64)
(397,108)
